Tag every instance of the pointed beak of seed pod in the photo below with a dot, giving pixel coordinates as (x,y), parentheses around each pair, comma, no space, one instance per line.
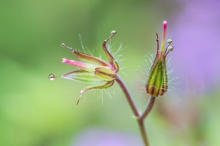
(163,37)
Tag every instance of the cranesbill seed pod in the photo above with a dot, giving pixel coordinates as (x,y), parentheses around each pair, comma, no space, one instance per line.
(157,81)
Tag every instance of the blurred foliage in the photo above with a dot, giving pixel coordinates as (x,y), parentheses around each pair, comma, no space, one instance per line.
(37,112)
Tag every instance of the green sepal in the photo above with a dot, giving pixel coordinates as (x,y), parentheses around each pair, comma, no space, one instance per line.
(89,58)
(82,76)
(102,85)
(105,73)
(157,81)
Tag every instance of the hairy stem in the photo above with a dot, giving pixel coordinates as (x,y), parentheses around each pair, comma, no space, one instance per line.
(140,118)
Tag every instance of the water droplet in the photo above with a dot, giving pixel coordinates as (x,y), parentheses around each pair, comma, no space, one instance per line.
(51,77)
(113,32)
(62,45)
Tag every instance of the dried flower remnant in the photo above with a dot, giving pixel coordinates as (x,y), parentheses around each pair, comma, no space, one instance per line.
(93,70)
(157,80)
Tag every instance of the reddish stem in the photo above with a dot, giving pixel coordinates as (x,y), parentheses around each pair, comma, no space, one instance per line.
(140,118)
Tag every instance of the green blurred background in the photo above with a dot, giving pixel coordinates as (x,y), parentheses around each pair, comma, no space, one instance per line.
(37,112)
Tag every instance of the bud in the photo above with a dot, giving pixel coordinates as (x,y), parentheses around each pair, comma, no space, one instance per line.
(157,81)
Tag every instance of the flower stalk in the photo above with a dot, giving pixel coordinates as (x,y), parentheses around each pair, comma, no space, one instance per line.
(139,117)
(157,81)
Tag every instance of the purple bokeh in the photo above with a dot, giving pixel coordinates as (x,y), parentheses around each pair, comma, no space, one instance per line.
(196,36)
(105,137)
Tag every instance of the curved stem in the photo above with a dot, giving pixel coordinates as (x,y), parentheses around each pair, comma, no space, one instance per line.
(140,118)
(128,96)
(148,107)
